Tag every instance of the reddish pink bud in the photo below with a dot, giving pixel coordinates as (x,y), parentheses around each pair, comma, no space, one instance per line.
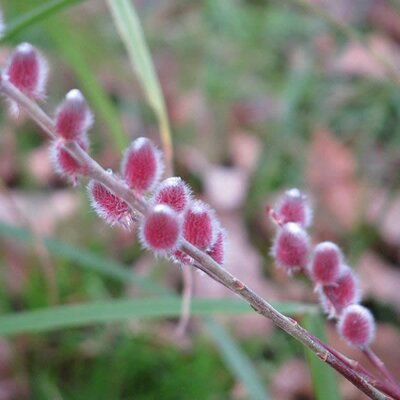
(160,230)
(217,251)
(108,206)
(174,192)
(27,70)
(340,294)
(64,163)
(294,207)
(357,326)
(142,165)
(73,117)
(326,263)
(200,226)
(291,247)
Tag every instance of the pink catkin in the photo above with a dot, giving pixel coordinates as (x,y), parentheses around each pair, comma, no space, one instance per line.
(27,70)
(142,165)
(173,192)
(357,326)
(200,226)
(291,247)
(73,117)
(294,207)
(217,251)
(342,293)
(326,262)
(108,206)
(64,163)
(161,229)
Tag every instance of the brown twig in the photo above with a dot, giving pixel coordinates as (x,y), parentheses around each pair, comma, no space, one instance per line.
(205,262)
(379,365)
(392,389)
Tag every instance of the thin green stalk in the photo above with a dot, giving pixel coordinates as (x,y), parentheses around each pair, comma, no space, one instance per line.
(131,33)
(78,315)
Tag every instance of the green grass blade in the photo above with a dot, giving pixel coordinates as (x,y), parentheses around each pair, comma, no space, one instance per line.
(323,377)
(66,38)
(113,269)
(49,319)
(131,33)
(34,16)
(237,361)
(86,259)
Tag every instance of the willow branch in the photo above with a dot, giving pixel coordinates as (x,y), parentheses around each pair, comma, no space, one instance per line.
(379,365)
(203,261)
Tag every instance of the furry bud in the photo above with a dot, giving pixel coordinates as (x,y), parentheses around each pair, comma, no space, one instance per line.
(174,192)
(200,226)
(217,251)
(108,206)
(161,229)
(342,293)
(294,207)
(357,326)
(73,117)
(27,70)
(291,247)
(142,165)
(326,262)
(64,163)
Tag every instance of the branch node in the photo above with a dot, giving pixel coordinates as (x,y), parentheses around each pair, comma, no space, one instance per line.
(323,356)
(238,285)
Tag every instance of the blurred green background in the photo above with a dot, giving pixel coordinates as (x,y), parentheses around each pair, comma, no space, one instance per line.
(261,96)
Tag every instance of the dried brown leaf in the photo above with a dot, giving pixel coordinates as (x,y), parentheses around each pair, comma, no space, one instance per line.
(379,279)
(292,381)
(331,175)
(369,59)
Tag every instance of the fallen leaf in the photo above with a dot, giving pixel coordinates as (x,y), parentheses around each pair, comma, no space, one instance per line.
(369,59)
(44,211)
(292,381)
(254,111)
(245,150)
(386,18)
(39,166)
(331,175)
(226,187)
(379,279)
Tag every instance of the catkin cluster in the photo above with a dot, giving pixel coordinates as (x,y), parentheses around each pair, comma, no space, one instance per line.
(335,282)
(170,215)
